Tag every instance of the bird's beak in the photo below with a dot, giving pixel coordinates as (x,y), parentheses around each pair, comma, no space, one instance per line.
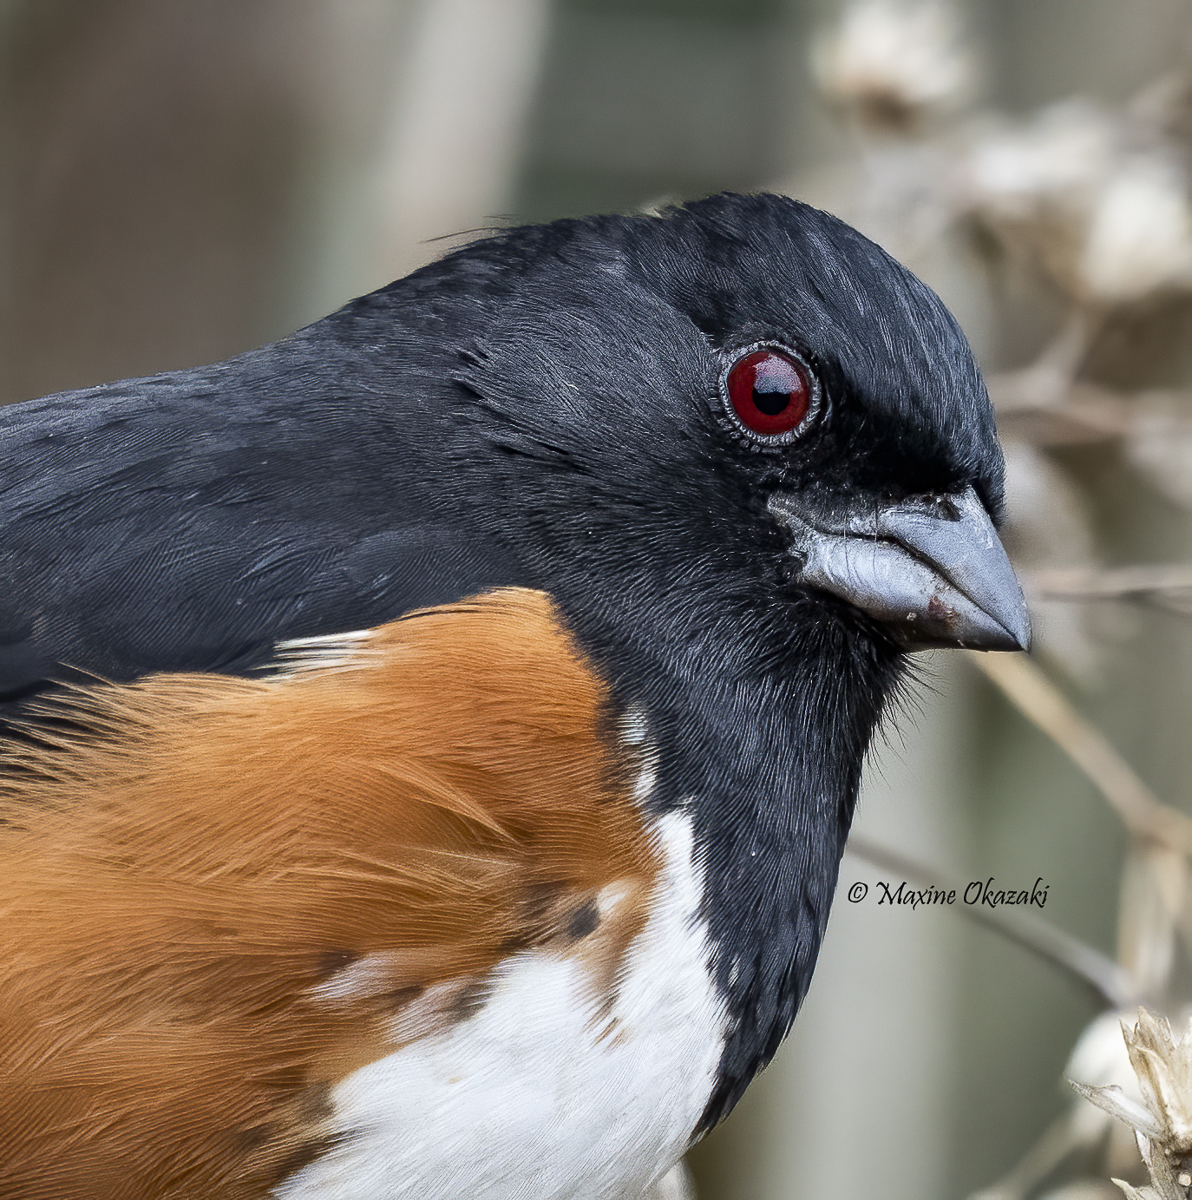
(932,567)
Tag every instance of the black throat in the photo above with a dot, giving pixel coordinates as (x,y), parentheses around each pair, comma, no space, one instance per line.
(781,793)
(761,737)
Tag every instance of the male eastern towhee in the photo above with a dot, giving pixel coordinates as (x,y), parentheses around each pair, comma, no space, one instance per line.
(432,737)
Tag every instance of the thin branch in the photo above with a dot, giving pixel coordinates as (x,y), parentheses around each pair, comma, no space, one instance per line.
(1110,985)
(1033,406)
(1042,703)
(1117,583)
(1048,382)
(1064,1135)
(1083,413)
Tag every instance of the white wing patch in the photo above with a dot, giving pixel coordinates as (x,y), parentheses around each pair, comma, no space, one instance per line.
(545,1092)
(328,652)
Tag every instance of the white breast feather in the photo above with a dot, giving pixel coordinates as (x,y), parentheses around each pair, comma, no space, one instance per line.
(531,1098)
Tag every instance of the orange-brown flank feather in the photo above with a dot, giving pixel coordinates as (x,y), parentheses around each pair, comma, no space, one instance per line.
(224,895)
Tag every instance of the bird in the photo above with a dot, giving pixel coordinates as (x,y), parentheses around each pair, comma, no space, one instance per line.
(431,738)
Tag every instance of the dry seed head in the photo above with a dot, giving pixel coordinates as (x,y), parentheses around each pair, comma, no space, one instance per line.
(1163,1124)
(1139,235)
(1056,160)
(1077,189)
(1163,1064)
(894,63)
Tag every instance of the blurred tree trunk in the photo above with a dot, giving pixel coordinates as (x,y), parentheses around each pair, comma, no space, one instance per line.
(152,153)
(185,181)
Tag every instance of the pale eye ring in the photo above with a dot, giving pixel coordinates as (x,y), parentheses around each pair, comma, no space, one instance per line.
(769,393)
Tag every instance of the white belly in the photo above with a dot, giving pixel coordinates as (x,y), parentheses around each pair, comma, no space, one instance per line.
(544,1094)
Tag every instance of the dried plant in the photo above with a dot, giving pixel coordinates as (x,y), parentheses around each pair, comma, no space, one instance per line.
(1082,211)
(893,68)
(1162,1122)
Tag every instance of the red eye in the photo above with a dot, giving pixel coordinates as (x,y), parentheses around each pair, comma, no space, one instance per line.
(770,392)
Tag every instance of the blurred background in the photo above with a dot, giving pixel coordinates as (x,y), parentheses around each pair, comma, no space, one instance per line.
(182,181)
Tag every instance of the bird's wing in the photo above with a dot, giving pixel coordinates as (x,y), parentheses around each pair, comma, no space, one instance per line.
(219,897)
(182,523)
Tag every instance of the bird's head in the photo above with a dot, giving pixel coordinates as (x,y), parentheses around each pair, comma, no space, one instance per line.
(752,459)
(747,399)
(738,461)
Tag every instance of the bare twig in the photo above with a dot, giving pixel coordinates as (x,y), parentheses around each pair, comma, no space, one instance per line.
(1117,583)
(1048,382)
(1042,703)
(1166,587)
(1082,414)
(1057,1142)
(1111,985)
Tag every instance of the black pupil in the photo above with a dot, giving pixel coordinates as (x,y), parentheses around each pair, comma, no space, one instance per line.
(771,403)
